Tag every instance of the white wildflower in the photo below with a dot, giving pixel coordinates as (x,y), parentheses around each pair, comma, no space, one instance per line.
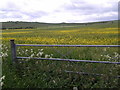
(46,56)
(53,81)
(1,83)
(32,55)
(1,80)
(41,49)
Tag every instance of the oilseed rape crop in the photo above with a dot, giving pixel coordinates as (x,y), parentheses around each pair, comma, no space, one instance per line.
(51,74)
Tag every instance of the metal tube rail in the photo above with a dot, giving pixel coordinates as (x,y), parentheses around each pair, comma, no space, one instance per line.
(93,74)
(72,60)
(68,45)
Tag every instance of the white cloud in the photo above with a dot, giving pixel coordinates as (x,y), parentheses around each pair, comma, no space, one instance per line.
(58,10)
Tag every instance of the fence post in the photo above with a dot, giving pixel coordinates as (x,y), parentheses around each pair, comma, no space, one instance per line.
(13,51)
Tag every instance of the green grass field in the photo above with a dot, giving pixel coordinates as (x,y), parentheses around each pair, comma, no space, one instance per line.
(51,74)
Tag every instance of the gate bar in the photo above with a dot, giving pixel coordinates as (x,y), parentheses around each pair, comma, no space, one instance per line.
(68,45)
(72,60)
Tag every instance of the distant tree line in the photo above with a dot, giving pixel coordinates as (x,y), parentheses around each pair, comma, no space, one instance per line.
(18,25)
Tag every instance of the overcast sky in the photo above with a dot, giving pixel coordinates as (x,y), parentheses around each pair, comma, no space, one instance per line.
(57,11)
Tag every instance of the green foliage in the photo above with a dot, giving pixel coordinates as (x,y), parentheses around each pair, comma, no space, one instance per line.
(52,74)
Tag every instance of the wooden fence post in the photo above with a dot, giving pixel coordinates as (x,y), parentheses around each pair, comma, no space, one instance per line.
(13,51)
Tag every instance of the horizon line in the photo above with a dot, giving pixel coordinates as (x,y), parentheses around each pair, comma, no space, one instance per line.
(62,22)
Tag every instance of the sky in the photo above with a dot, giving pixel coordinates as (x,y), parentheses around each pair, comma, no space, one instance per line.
(58,11)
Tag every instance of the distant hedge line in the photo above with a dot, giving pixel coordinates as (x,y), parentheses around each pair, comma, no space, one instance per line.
(31,25)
